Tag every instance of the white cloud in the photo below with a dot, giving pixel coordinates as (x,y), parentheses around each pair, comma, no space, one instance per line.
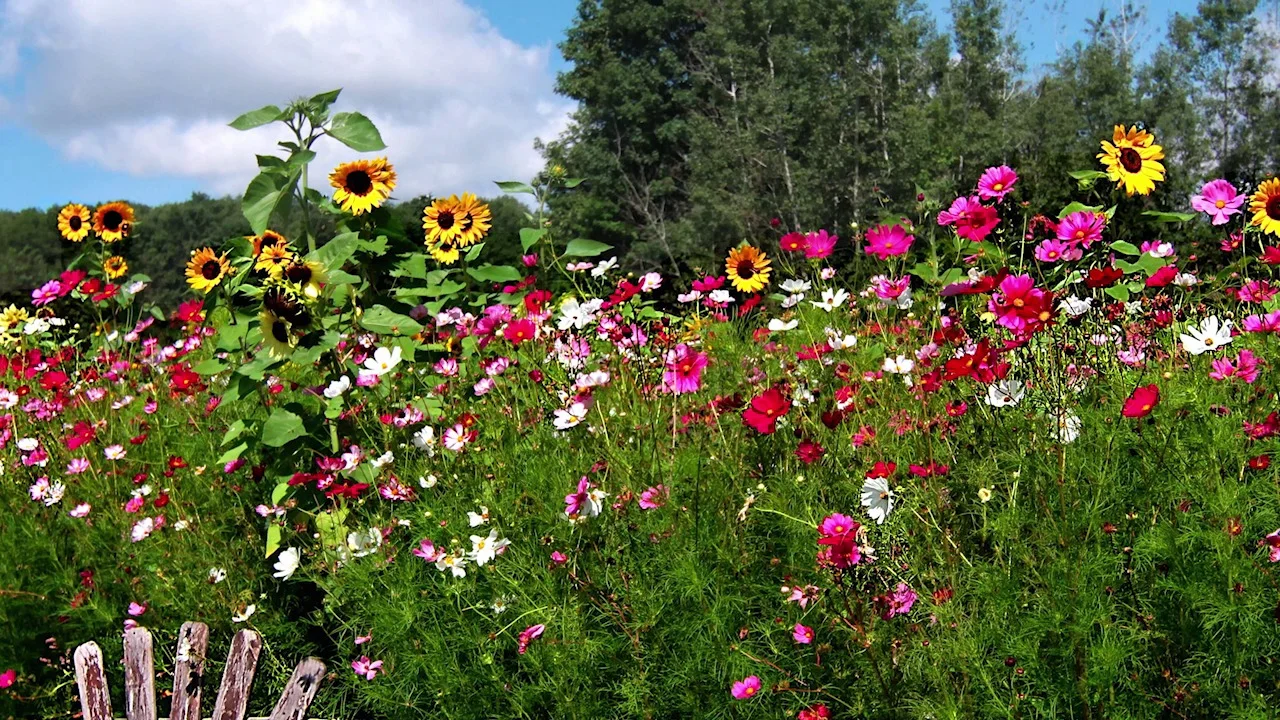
(147,86)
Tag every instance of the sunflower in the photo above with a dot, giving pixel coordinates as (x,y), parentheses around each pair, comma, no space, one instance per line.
(115,267)
(747,268)
(277,334)
(284,303)
(113,221)
(362,185)
(441,222)
(273,258)
(444,252)
(206,269)
(13,317)
(1133,160)
(1265,206)
(309,276)
(473,220)
(268,238)
(73,222)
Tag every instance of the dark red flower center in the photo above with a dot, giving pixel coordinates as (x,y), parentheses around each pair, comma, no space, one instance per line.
(112,219)
(1130,159)
(358,182)
(211,270)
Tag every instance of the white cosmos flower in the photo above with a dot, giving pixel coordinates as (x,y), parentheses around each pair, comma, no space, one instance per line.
(792,300)
(831,299)
(839,341)
(1076,306)
(287,564)
(338,387)
(383,361)
(779,325)
(900,365)
(1211,335)
(476,519)
(454,562)
(425,439)
(721,296)
(244,614)
(877,498)
(794,286)
(484,549)
(570,418)
(1004,393)
(362,543)
(604,267)
(578,315)
(1066,427)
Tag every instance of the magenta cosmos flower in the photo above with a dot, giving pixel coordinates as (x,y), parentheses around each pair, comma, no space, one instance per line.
(996,182)
(819,244)
(746,688)
(1082,228)
(887,241)
(1219,200)
(972,220)
(684,370)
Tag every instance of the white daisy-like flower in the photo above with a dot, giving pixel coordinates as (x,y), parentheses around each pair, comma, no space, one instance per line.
(877,498)
(1005,393)
(287,563)
(1209,336)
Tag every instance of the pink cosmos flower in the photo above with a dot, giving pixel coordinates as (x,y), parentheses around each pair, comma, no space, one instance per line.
(77,466)
(972,220)
(996,182)
(684,370)
(427,550)
(803,635)
(136,609)
(46,293)
(1273,541)
(746,688)
(838,536)
(1219,200)
(885,241)
(366,668)
(1245,367)
(899,602)
(819,244)
(559,558)
(653,498)
(1083,227)
(1055,250)
(528,635)
(8,678)
(1268,323)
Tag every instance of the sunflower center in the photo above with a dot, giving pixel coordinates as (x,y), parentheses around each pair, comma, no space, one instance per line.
(445,220)
(300,274)
(1273,207)
(746,270)
(74,223)
(359,182)
(1130,159)
(279,332)
(112,220)
(211,269)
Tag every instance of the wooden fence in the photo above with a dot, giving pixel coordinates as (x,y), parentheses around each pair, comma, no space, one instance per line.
(188,679)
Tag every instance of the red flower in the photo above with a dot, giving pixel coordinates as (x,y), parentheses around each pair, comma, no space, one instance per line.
(519,331)
(1103,277)
(1163,276)
(764,411)
(793,242)
(1270,255)
(1142,402)
(810,452)
(1259,462)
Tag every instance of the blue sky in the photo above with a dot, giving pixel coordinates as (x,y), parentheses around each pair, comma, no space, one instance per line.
(51,167)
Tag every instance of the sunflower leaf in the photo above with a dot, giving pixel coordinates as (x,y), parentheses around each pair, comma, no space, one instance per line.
(573,182)
(514,186)
(281,428)
(263,197)
(1169,217)
(1078,207)
(257,118)
(586,248)
(530,237)
(356,132)
(383,321)
(495,273)
(335,253)
(322,101)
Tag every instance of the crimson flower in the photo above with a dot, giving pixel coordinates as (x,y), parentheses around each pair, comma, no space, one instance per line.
(1142,401)
(765,409)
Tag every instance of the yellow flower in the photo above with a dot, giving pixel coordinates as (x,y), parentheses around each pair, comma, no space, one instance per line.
(13,317)
(444,252)
(362,185)
(276,334)
(115,267)
(474,219)
(73,222)
(442,223)
(268,238)
(747,268)
(113,221)
(273,259)
(307,275)
(206,270)
(1265,206)
(1132,160)
(984,495)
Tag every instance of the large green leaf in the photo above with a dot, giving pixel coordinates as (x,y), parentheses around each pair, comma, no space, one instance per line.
(356,132)
(530,237)
(1169,217)
(495,273)
(281,428)
(273,539)
(379,319)
(335,253)
(514,186)
(257,118)
(586,248)
(1126,248)
(1078,207)
(263,196)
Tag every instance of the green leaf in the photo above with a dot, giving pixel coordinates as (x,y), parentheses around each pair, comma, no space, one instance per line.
(378,319)
(474,252)
(212,366)
(412,266)
(258,367)
(1169,217)
(1126,248)
(263,197)
(278,492)
(233,432)
(1087,174)
(356,132)
(301,157)
(925,272)
(232,454)
(257,118)
(267,162)
(1078,207)
(1119,292)
(514,186)
(335,253)
(573,182)
(273,539)
(530,237)
(586,248)
(281,428)
(322,101)
(495,273)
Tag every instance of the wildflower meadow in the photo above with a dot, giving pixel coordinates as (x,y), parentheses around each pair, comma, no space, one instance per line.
(981,460)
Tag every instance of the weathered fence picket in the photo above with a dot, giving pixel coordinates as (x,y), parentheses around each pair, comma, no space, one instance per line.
(189,678)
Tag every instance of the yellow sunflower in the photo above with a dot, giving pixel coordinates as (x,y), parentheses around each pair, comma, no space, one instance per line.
(441,221)
(73,222)
(309,276)
(268,238)
(206,269)
(747,268)
(277,335)
(13,317)
(473,218)
(1265,206)
(113,221)
(444,252)
(362,185)
(1132,160)
(273,258)
(284,303)
(115,267)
